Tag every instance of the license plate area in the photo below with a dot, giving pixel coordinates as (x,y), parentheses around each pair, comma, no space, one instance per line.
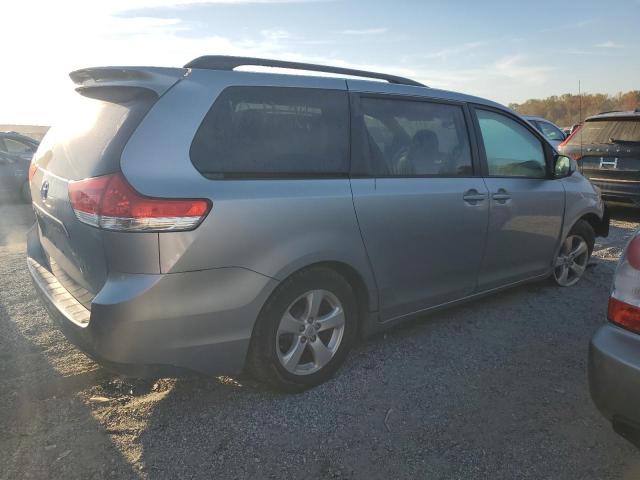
(609,163)
(50,227)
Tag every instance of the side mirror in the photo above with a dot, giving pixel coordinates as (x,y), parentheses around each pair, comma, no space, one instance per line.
(563,166)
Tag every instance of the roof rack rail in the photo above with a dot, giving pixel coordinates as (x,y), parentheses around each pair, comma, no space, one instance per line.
(224,62)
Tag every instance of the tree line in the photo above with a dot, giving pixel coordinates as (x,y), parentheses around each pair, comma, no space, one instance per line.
(564,110)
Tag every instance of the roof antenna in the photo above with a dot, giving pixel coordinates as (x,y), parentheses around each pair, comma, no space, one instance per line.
(580,119)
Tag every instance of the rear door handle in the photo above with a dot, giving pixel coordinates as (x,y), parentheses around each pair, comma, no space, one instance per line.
(472,196)
(501,196)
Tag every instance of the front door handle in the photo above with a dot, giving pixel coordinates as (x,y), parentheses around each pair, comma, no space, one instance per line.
(501,196)
(472,196)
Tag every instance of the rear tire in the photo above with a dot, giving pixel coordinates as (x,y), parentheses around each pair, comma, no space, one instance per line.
(304,331)
(573,257)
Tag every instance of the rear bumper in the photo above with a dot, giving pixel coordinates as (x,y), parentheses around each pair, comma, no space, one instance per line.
(149,324)
(614,378)
(623,191)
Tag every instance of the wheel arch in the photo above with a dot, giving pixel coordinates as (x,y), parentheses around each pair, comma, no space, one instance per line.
(358,284)
(598,219)
(364,288)
(358,274)
(600,225)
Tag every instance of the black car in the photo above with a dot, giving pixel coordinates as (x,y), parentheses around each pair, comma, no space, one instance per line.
(16,151)
(607,149)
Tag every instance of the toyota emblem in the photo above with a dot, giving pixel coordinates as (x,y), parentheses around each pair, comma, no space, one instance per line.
(44,190)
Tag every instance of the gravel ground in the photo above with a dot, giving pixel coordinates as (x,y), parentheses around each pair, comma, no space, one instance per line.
(492,389)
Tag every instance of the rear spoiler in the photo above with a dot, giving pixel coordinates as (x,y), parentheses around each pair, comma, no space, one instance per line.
(155,79)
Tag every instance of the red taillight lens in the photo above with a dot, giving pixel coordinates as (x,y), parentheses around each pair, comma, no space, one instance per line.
(624,315)
(632,254)
(33,168)
(624,304)
(109,202)
(571,135)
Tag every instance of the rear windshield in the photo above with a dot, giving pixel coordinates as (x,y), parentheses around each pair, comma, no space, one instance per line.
(273,132)
(88,137)
(607,131)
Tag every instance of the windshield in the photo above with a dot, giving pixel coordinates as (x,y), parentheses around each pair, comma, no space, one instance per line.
(550,131)
(608,131)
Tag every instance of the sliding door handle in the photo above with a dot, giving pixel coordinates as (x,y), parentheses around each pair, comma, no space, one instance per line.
(501,196)
(472,196)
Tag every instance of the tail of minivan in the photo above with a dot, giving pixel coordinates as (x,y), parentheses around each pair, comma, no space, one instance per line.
(71,171)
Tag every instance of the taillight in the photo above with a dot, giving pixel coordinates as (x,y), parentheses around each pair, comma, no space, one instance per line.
(632,253)
(566,140)
(624,304)
(109,202)
(33,168)
(624,315)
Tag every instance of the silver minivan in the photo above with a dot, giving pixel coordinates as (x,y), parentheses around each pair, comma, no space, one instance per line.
(209,219)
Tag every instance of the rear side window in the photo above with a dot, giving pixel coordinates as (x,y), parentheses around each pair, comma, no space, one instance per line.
(274,132)
(416,138)
(607,131)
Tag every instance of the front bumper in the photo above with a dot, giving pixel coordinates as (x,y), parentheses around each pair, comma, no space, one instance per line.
(614,378)
(149,324)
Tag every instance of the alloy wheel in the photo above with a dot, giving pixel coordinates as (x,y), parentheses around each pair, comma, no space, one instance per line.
(571,261)
(310,332)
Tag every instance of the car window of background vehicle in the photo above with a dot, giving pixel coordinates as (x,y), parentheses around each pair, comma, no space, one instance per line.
(603,131)
(550,131)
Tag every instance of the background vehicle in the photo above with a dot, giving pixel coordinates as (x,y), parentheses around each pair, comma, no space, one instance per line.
(238,218)
(614,354)
(16,151)
(550,131)
(607,149)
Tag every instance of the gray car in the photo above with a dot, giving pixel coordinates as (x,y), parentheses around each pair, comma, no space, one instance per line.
(614,354)
(550,130)
(16,152)
(208,219)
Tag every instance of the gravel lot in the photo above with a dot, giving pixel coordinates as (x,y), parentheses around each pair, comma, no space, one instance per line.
(493,389)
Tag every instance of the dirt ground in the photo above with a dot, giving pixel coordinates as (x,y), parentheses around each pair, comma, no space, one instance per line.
(492,389)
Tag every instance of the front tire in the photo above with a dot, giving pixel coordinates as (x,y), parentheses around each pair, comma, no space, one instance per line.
(574,254)
(304,331)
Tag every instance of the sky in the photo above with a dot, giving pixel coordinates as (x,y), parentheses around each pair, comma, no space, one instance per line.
(507,51)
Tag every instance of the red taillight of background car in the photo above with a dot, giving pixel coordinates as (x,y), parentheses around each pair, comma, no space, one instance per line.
(574,155)
(624,304)
(571,135)
(109,202)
